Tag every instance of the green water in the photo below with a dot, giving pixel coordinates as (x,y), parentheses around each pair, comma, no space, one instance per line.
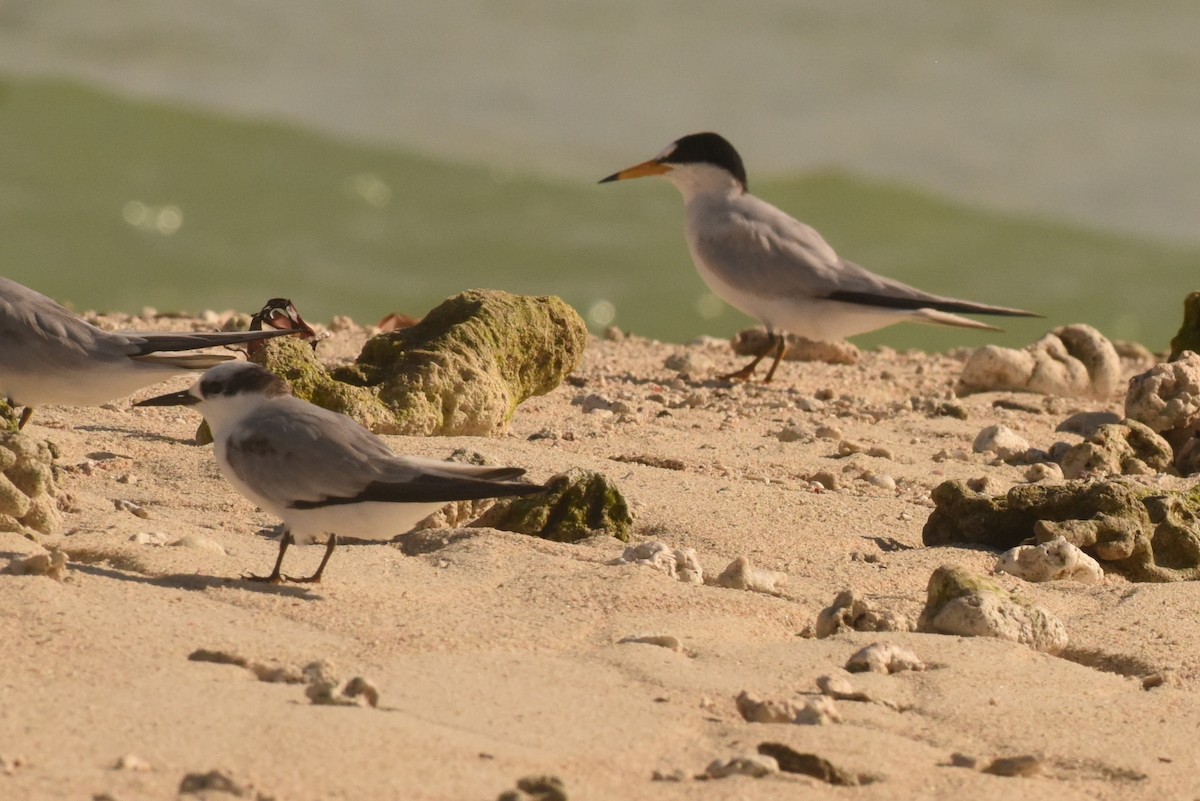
(112,204)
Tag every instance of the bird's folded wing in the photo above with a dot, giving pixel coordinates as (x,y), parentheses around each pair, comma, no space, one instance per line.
(37,332)
(301,456)
(774,255)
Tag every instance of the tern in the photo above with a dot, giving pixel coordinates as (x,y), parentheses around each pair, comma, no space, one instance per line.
(777,269)
(281,314)
(319,471)
(50,356)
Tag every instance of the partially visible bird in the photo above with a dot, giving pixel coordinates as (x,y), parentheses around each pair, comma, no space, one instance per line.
(777,269)
(50,356)
(281,314)
(320,472)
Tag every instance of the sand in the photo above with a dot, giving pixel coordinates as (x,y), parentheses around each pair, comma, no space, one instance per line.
(498,656)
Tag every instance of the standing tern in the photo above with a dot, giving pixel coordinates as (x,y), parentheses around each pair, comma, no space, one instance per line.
(50,356)
(777,269)
(320,472)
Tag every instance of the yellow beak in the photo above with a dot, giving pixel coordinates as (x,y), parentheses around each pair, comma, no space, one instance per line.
(651,167)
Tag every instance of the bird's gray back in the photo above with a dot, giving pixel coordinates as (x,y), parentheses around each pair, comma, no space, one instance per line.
(39,334)
(749,243)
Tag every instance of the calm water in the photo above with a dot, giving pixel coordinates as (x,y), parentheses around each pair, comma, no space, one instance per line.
(370,156)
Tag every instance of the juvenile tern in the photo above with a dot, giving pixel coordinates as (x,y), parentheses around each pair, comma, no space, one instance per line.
(777,269)
(320,472)
(50,356)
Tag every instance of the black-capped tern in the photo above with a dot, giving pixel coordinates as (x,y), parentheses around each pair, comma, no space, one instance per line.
(777,269)
(320,472)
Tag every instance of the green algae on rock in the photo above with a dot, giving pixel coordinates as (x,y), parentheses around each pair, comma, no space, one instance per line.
(960,603)
(1127,448)
(28,492)
(576,504)
(295,361)
(10,418)
(464,369)
(461,371)
(1188,336)
(1145,533)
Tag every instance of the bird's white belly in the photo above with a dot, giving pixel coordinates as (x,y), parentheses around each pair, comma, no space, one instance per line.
(367,521)
(89,384)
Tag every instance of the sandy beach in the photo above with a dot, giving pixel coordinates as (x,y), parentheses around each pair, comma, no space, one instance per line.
(498,656)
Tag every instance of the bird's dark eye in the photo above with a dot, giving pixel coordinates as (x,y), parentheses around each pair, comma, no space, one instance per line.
(212,388)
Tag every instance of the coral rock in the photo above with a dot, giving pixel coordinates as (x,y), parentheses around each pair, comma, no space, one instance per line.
(1044,471)
(1187,339)
(1002,441)
(1167,399)
(758,710)
(1128,448)
(1075,360)
(461,371)
(52,565)
(1167,396)
(680,563)
(849,612)
(576,505)
(970,606)
(741,575)
(883,658)
(1145,533)
(1055,560)
(28,492)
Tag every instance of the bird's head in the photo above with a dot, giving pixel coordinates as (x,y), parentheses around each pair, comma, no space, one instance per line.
(227,390)
(697,163)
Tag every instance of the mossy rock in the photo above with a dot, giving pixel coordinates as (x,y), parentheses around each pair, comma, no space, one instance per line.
(10,418)
(1146,533)
(295,361)
(1188,336)
(464,369)
(461,371)
(576,505)
(961,603)
(28,491)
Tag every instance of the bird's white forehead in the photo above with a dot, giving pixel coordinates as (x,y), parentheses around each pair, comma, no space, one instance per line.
(667,151)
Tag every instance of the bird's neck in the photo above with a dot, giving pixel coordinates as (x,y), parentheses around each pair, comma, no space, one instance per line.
(701,182)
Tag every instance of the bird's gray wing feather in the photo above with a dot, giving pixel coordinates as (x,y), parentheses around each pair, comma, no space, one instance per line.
(780,256)
(39,333)
(300,455)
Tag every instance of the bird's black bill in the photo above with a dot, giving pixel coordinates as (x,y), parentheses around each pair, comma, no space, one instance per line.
(616,176)
(184,398)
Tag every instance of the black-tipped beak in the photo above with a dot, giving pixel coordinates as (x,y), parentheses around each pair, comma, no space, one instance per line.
(183,398)
(652,167)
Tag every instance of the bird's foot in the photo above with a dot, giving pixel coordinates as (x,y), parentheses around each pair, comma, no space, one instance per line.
(315,578)
(745,374)
(274,578)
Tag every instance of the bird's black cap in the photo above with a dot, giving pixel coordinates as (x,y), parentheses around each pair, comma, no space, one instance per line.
(707,148)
